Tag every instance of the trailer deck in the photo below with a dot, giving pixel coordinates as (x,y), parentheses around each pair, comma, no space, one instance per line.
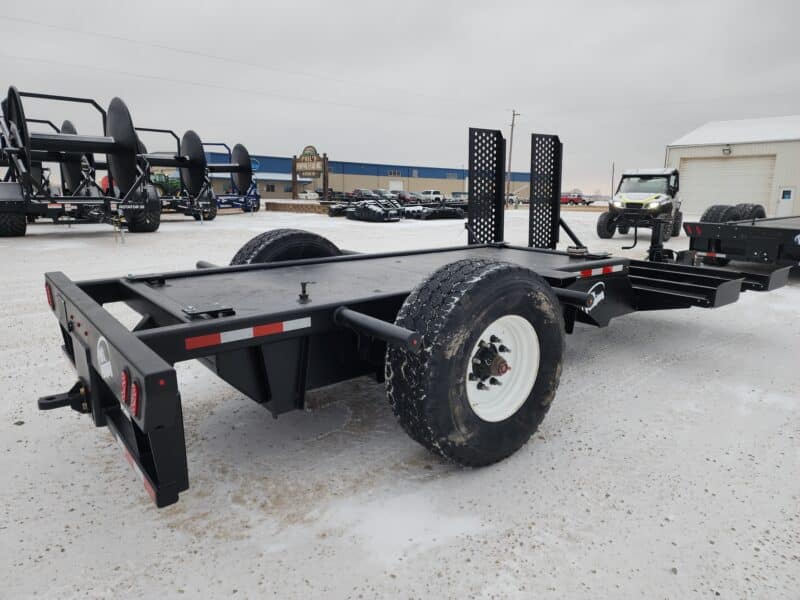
(249,290)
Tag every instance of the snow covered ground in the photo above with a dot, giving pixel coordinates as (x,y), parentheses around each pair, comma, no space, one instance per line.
(668,466)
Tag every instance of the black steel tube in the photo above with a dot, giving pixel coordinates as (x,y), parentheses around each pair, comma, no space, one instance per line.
(165,160)
(45,122)
(574,297)
(570,233)
(377,328)
(62,142)
(226,168)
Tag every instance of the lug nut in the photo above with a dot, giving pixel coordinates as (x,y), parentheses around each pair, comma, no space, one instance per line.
(473,377)
(482,386)
(495,381)
(495,340)
(503,349)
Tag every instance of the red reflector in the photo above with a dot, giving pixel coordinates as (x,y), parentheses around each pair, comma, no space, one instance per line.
(201,341)
(135,396)
(586,273)
(49,291)
(697,230)
(124,382)
(607,270)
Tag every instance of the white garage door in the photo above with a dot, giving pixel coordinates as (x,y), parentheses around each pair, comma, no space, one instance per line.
(707,181)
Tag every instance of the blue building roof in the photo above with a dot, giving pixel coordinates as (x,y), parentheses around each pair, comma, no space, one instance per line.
(283,164)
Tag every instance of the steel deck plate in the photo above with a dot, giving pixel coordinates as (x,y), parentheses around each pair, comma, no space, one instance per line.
(260,289)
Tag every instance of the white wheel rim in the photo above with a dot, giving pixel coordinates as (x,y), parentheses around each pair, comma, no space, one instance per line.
(498,396)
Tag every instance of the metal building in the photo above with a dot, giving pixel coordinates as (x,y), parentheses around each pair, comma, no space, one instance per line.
(749,160)
(273,174)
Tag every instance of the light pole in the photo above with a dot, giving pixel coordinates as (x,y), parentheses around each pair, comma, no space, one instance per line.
(514,115)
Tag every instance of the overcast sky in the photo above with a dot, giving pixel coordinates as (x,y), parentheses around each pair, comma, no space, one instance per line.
(400,82)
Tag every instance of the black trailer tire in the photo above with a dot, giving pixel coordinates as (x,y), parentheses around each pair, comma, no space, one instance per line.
(143,221)
(13,224)
(284,244)
(149,219)
(624,229)
(713,214)
(431,392)
(731,213)
(605,226)
(677,224)
(748,212)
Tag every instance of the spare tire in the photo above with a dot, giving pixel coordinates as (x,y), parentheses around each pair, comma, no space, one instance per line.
(748,212)
(284,244)
(713,214)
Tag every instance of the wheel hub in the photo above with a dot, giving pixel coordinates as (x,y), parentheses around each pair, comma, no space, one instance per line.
(495,389)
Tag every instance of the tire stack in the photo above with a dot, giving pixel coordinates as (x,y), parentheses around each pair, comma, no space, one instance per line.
(726,213)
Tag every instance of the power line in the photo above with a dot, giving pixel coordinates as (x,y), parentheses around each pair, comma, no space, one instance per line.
(309,75)
(250,91)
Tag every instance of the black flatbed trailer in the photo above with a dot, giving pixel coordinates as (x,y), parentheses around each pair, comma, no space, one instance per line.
(766,241)
(469,339)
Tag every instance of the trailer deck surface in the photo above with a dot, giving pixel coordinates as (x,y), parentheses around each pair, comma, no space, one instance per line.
(776,223)
(248,290)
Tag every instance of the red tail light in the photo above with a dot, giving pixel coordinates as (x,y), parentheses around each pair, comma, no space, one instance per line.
(124,382)
(135,396)
(49,291)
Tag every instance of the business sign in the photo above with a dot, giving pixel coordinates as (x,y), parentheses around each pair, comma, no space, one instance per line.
(309,163)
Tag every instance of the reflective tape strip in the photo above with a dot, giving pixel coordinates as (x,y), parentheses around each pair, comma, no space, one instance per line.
(237,335)
(713,254)
(132,462)
(607,270)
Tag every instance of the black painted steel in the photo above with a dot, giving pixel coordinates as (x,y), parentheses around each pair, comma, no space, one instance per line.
(485,212)
(122,161)
(194,172)
(244,176)
(774,241)
(71,168)
(545,191)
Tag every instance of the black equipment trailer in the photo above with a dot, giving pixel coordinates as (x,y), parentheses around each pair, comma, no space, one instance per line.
(773,241)
(469,339)
(244,189)
(129,200)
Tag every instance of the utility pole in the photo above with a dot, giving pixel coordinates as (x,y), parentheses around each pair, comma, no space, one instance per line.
(514,115)
(612,178)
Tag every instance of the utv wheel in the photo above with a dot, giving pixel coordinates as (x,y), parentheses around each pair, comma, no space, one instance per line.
(13,224)
(284,244)
(605,226)
(677,224)
(493,342)
(666,230)
(751,211)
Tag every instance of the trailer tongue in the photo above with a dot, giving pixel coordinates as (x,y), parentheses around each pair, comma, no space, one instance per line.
(469,339)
